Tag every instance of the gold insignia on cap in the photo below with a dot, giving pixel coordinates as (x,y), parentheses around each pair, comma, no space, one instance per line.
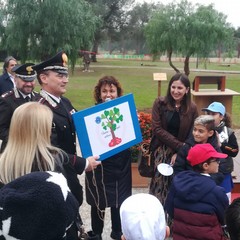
(29,69)
(65,59)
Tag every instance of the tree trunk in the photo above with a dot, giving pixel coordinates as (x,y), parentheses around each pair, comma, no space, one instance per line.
(219,51)
(238,54)
(170,61)
(186,66)
(94,50)
(110,46)
(197,62)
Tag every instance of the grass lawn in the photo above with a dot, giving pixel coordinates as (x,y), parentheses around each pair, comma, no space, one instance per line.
(138,80)
(137,77)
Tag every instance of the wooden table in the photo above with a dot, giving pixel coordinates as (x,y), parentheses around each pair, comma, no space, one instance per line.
(206,96)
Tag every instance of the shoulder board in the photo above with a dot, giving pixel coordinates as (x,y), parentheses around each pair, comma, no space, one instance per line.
(6,94)
(10,93)
(47,99)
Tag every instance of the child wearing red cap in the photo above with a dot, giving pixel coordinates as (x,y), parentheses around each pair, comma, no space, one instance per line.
(195,203)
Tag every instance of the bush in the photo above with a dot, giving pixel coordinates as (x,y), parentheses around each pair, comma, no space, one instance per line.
(145,122)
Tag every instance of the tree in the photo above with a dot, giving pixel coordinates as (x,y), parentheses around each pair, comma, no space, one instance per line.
(237,37)
(138,18)
(110,119)
(183,28)
(36,29)
(205,31)
(112,17)
(162,32)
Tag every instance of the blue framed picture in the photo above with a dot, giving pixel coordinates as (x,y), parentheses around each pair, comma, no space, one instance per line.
(108,128)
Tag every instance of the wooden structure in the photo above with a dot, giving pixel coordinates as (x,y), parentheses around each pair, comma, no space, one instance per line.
(159,77)
(219,80)
(203,97)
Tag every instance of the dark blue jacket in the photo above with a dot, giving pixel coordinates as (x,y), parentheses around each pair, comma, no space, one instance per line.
(196,205)
(197,193)
(6,83)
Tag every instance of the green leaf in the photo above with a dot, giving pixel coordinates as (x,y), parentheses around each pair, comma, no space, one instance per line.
(114,127)
(106,112)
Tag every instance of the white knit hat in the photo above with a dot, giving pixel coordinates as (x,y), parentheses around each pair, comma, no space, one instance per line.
(143,218)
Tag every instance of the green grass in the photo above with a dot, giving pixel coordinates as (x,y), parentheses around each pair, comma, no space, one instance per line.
(138,80)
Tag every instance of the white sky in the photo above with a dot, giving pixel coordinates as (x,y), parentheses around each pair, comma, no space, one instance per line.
(231,8)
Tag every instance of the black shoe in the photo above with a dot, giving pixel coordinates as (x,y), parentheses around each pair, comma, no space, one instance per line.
(116,235)
(92,236)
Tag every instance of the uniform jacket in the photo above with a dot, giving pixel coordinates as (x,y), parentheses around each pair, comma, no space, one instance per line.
(63,135)
(114,178)
(9,101)
(160,115)
(197,193)
(6,83)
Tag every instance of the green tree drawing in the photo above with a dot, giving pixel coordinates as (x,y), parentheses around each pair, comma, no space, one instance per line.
(110,119)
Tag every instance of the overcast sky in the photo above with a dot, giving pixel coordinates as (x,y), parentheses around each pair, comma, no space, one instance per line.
(231,8)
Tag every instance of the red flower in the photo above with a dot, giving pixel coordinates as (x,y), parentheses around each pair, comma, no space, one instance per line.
(145,122)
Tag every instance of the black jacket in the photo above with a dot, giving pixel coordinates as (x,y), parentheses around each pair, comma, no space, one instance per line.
(229,146)
(182,164)
(9,101)
(113,178)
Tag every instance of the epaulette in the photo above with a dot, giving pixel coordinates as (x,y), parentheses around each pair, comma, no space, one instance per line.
(6,94)
(48,99)
(14,92)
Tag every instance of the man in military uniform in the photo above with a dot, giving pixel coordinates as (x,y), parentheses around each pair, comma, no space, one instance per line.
(23,92)
(52,75)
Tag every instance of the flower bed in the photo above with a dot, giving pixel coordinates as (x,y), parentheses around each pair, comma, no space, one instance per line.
(145,121)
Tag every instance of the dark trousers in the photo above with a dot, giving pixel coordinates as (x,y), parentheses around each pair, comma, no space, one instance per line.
(97,219)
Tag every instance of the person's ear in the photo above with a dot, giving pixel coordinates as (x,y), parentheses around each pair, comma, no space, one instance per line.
(205,166)
(43,78)
(167,232)
(210,133)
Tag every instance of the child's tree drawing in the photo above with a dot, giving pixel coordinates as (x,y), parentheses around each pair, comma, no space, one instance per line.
(110,119)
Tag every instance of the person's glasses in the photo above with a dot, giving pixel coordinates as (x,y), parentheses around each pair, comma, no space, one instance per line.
(215,160)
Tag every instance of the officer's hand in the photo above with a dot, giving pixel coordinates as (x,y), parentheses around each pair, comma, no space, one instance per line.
(92,163)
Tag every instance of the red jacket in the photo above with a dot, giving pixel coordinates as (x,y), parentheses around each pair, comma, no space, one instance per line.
(196,226)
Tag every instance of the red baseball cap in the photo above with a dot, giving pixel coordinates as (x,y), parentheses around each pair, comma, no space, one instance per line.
(202,152)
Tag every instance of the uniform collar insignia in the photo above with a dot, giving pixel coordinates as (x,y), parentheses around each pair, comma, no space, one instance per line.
(48,99)
(16,93)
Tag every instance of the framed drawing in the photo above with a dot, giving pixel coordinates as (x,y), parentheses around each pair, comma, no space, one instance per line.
(108,128)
